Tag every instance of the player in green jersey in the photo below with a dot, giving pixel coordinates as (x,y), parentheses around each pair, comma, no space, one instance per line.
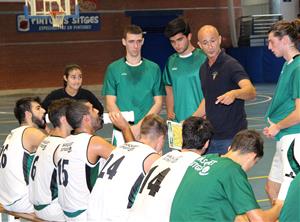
(181,73)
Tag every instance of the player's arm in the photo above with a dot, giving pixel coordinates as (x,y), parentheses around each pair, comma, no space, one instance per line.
(111,103)
(155,109)
(292,119)
(170,102)
(200,112)
(32,137)
(270,215)
(98,147)
(245,92)
(241,218)
(118,120)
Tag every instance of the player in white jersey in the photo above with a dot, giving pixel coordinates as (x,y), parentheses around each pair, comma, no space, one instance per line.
(17,153)
(42,179)
(119,179)
(154,199)
(78,158)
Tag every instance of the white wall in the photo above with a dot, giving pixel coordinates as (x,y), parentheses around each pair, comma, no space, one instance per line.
(255,7)
(289,10)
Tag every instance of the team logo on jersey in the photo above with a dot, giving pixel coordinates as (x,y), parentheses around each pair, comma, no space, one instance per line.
(66,147)
(202,165)
(214,75)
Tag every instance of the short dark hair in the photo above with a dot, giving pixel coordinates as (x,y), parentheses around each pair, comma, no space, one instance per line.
(132,29)
(282,28)
(22,105)
(247,141)
(68,69)
(75,113)
(57,109)
(196,131)
(178,25)
(153,126)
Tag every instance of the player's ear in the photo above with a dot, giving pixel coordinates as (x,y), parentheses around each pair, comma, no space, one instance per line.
(206,144)
(123,42)
(28,114)
(229,148)
(65,78)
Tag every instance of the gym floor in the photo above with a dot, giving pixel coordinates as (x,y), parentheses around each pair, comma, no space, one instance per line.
(255,109)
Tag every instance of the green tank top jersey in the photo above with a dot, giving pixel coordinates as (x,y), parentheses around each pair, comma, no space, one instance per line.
(213,189)
(183,75)
(134,86)
(291,208)
(287,90)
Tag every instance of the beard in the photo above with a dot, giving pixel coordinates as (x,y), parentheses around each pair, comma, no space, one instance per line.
(98,123)
(41,123)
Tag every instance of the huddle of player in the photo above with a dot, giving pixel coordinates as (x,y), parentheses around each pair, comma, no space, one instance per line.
(70,174)
(80,177)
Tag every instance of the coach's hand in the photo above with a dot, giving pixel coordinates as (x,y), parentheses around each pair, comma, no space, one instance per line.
(226,98)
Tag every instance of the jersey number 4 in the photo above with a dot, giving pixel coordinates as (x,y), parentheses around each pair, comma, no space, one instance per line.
(112,169)
(3,156)
(154,184)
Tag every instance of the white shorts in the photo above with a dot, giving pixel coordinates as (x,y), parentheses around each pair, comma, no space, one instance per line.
(117,138)
(52,212)
(21,206)
(286,162)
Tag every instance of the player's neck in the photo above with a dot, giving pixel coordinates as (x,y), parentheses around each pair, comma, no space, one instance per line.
(198,151)
(60,131)
(84,129)
(290,54)
(133,61)
(188,52)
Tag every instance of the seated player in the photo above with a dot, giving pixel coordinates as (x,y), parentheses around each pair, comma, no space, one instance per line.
(120,178)
(17,153)
(216,188)
(79,157)
(42,179)
(159,186)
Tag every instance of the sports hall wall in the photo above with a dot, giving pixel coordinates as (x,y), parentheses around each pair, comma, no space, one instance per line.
(37,60)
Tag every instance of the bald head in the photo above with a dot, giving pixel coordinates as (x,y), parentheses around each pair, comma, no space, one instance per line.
(209,41)
(207,29)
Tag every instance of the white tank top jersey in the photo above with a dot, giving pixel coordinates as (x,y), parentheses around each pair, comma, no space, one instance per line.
(75,174)
(42,178)
(15,164)
(117,182)
(154,199)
